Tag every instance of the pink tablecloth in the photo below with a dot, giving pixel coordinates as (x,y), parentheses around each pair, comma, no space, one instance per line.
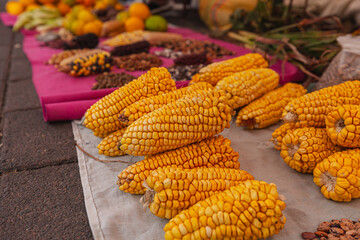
(63,97)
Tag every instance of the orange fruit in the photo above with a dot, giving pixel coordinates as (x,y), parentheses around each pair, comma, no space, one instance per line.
(27,2)
(77,27)
(119,6)
(134,23)
(139,10)
(32,7)
(14,8)
(50,5)
(63,8)
(86,15)
(46,1)
(93,27)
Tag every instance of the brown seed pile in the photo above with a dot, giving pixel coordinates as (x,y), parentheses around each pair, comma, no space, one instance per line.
(112,80)
(138,61)
(179,73)
(188,46)
(343,229)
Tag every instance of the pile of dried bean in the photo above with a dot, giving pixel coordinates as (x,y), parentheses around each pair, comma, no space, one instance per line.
(138,61)
(343,229)
(188,46)
(112,80)
(184,72)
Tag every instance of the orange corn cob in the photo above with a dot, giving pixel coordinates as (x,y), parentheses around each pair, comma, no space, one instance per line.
(243,87)
(170,189)
(267,110)
(102,117)
(211,152)
(215,72)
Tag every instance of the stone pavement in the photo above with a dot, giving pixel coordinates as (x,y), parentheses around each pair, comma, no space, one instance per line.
(40,190)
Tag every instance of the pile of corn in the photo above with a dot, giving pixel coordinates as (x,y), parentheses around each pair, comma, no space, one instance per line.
(318,128)
(190,173)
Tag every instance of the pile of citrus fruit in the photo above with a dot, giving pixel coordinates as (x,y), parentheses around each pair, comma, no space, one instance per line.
(17,7)
(138,17)
(80,20)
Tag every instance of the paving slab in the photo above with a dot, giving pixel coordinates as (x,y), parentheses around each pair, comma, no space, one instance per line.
(46,203)
(6,34)
(17,51)
(29,142)
(21,95)
(20,69)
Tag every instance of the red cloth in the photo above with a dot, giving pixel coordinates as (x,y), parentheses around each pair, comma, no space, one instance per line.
(63,97)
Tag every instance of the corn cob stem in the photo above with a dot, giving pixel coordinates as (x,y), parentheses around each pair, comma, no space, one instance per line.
(268,109)
(279,134)
(102,117)
(243,87)
(339,176)
(250,210)
(343,125)
(211,152)
(172,189)
(303,148)
(188,120)
(147,105)
(311,109)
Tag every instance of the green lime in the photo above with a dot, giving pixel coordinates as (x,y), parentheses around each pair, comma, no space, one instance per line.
(156,23)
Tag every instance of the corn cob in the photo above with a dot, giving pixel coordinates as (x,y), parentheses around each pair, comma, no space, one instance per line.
(125,38)
(250,210)
(138,47)
(343,125)
(268,109)
(311,109)
(87,63)
(102,116)
(188,120)
(147,105)
(215,72)
(303,148)
(211,152)
(243,87)
(109,145)
(278,135)
(58,57)
(339,176)
(171,190)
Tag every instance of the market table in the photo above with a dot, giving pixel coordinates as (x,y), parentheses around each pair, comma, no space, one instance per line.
(64,97)
(114,214)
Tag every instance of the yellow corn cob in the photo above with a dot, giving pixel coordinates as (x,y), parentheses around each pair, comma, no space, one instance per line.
(102,117)
(243,87)
(171,189)
(268,109)
(146,105)
(125,38)
(211,152)
(250,210)
(279,134)
(303,148)
(311,109)
(188,120)
(343,125)
(215,72)
(109,145)
(101,135)
(339,176)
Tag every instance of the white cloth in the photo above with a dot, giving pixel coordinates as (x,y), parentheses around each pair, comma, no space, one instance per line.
(114,214)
